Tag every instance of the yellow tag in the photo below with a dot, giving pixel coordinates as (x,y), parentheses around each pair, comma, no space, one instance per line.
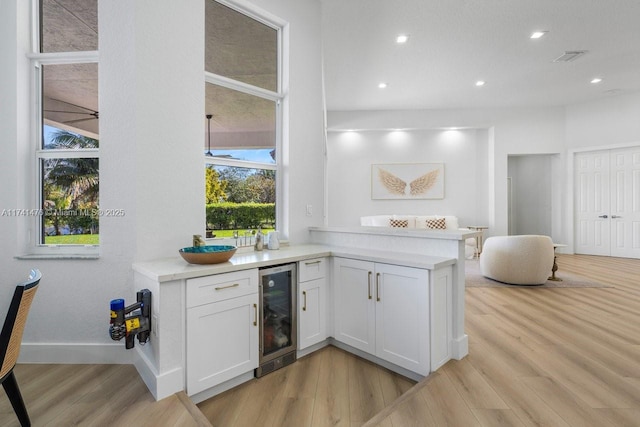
(132,324)
(113,314)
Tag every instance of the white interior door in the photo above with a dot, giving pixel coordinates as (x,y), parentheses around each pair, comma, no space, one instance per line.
(592,203)
(607,205)
(625,203)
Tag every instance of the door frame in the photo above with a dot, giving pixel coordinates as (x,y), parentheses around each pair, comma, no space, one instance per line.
(571,193)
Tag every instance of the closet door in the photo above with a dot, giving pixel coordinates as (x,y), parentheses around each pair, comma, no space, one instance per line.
(592,203)
(625,202)
(607,205)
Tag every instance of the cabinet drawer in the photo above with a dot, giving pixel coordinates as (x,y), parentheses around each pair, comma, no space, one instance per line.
(312,269)
(220,287)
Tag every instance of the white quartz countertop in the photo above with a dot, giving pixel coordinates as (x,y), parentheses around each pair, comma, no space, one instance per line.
(175,268)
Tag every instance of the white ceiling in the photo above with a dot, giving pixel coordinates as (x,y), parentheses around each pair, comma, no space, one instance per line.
(454,43)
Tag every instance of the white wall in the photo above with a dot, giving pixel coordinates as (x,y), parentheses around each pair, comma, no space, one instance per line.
(611,121)
(304,154)
(352,153)
(151,110)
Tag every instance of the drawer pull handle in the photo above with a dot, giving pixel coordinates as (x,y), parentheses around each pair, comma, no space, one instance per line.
(377,286)
(304,295)
(219,288)
(255,309)
(312,262)
(369,284)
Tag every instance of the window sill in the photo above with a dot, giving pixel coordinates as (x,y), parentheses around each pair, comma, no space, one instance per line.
(57,256)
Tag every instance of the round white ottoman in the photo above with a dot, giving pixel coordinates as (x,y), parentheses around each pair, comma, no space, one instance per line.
(519,260)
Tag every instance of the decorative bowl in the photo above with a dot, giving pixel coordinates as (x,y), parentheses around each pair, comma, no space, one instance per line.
(211,254)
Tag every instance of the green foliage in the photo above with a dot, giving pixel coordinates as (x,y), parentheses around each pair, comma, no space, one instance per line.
(215,187)
(71,186)
(73,239)
(248,185)
(229,216)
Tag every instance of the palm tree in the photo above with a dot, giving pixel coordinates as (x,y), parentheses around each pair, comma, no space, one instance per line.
(69,183)
(78,176)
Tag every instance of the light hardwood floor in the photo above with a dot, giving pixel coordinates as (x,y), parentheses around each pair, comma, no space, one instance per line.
(552,357)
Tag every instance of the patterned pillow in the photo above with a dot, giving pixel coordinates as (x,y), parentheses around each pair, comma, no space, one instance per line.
(399,223)
(439,223)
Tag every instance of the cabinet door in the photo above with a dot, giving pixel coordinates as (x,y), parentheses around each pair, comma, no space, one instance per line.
(311,313)
(222,341)
(354,309)
(402,316)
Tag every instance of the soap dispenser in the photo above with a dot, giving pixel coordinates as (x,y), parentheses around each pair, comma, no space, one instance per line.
(274,242)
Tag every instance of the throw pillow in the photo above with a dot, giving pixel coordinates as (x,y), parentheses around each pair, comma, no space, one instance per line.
(439,223)
(399,223)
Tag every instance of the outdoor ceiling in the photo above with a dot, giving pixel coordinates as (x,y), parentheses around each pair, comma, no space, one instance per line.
(452,44)
(70,98)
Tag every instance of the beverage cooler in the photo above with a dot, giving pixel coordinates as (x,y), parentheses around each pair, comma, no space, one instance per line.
(278,329)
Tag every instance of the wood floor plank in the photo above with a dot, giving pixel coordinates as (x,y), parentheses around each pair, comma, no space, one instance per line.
(621,417)
(446,405)
(530,409)
(497,417)
(392,385)
(332,403)
(365,391)
(573,410)
(474,389)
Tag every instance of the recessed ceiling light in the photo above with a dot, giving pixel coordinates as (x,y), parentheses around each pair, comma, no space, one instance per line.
(382,85)
(402,38)
(480,83)
(538,34)
(596,80)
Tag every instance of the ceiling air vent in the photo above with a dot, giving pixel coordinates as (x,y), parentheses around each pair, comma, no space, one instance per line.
(570,55)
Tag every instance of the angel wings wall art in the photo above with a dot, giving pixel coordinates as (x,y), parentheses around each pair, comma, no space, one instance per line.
(407,181)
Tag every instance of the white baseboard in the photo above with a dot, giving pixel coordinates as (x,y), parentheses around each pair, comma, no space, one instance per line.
(460,347)
(371,358)
(221,388)
(160,386)
(73,353)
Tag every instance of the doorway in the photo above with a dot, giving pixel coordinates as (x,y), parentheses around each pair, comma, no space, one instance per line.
(607,202)
(530,194)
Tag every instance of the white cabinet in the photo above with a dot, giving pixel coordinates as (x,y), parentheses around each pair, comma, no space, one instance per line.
(312,306)
(222,328)
(383,309)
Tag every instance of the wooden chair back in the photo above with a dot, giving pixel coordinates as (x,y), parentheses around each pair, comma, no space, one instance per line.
(11,335)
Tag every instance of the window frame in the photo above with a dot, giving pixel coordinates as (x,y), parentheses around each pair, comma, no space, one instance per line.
(280,98)
(37,152)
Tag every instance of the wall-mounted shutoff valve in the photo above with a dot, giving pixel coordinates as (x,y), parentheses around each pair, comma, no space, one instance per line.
(127,322)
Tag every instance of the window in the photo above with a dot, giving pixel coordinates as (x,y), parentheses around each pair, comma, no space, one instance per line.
(243,121)
(67,126)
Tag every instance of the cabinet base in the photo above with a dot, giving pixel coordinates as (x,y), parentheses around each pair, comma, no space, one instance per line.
(272,365)
(378,361)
